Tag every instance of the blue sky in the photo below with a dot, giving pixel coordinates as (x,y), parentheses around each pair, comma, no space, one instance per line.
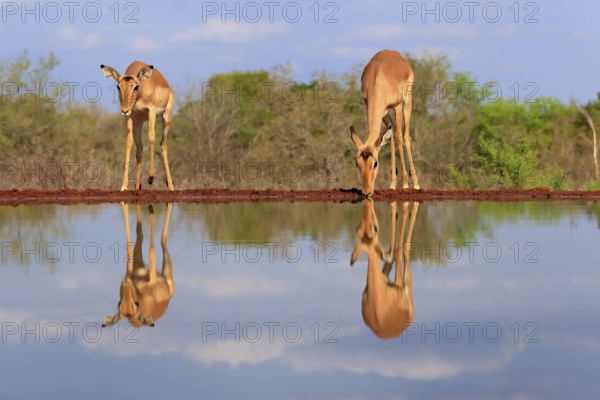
(551,44)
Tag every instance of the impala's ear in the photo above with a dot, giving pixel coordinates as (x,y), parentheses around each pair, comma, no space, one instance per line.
(111,320)
(357,142)
(356,253)
(110,72)
(379,251)
(145,72)
(146,321)
(386,123)
(383,139)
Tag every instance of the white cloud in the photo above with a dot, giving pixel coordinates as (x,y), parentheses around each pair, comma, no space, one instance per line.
(449,31)
(144,44)
(356,43)
(324,47)
(375,32)
(226,58)
(76,39)
(383,32)
(230,32)
(352,51)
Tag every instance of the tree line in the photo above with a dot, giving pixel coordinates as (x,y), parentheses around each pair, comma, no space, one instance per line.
(263,129)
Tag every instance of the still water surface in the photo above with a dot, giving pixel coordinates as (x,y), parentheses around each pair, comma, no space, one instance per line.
(469,300)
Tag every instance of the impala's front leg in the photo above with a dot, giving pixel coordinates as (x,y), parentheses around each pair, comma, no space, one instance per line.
(401,145)
(406,275)
(167,265)
(151,138)
(387,125)
(166,126)
(394,180)
(407,112)
(128,143)
(152,250)
(128,242)
(137,136)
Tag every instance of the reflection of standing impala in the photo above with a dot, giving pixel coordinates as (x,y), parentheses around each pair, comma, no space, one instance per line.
(144,294)
(387,91)
(387,307)
(143,92)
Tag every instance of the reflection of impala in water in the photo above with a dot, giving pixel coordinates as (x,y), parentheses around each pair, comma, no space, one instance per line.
(387,307)
(144,293)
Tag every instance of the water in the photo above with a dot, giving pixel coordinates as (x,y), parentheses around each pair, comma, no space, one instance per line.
(497,300)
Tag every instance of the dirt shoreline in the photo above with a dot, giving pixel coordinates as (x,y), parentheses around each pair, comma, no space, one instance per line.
(16,197)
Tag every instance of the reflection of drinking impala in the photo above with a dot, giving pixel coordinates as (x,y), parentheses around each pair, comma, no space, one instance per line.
(144,293)
(387,307)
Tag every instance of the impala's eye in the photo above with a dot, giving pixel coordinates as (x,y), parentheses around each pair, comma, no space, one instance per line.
(135,88)
(375,165)
(118,88)
(356,163)
(136,303)
(119,305)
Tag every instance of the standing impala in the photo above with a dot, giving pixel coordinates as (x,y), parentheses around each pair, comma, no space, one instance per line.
(387,307)
(386,85)
(143,93)
(144,293)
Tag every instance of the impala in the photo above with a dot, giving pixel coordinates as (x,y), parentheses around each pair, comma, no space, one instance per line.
(144,93)
(387,307)
(144,293)
(387,92)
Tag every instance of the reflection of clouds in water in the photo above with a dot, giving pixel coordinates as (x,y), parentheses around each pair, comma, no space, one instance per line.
(236,286)
(569,341)
(208,352)
(30,315)
(482,295)
(462,283)
(82,281)
(412,364)
(356,355)
(18,314)
(235,354)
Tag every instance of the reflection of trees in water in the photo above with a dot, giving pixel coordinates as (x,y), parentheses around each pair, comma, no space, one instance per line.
(592,209)
(438,222)
(265,222)
(28,226)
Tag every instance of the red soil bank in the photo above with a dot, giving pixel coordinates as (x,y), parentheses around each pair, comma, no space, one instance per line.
(94,196)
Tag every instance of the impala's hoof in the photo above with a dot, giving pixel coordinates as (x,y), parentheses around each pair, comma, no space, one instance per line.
(150,180)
